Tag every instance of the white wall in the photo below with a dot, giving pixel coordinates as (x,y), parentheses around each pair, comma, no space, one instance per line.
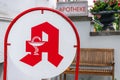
(3,27)
(11,8)
(87,41)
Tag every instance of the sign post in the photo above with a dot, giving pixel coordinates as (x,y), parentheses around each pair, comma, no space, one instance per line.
(40,43)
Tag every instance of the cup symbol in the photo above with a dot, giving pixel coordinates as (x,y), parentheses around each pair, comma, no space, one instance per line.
(36,44)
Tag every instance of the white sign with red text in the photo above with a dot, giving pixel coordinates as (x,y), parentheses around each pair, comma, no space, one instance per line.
(40,43)
(79,8)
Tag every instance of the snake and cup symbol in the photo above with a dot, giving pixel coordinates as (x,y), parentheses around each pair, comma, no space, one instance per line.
(36,44)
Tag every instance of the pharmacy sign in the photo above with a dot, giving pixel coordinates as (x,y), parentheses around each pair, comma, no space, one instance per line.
(39,43)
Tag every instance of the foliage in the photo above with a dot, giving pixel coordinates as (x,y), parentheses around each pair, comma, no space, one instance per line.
(106,5)
(98,25)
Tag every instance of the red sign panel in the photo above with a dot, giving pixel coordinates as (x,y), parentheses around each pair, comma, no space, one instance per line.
(36,45)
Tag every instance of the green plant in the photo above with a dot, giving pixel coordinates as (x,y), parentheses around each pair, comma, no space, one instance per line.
(106,5)
(97,27)
(106,15)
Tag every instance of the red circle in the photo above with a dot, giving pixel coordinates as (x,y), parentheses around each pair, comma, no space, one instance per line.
(42,9)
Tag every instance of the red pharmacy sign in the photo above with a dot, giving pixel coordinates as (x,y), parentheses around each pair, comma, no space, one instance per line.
(40,43)
(50,46)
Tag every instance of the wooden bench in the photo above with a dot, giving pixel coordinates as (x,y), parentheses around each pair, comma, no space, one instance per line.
(94,61)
